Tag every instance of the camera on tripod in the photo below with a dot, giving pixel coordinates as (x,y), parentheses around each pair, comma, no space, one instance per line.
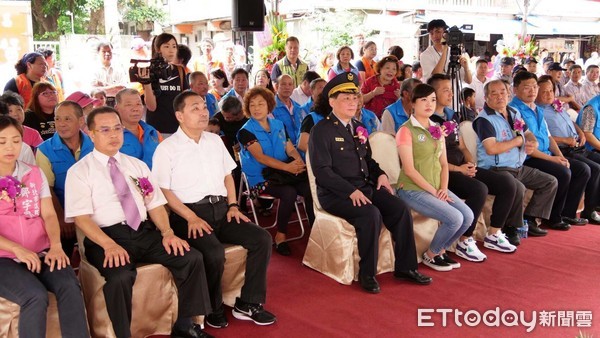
(455,40)
(155,70)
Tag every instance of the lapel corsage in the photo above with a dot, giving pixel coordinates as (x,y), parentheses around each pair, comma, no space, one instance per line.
(362,134)
(518,126)
(445,129)
(144,186)
(10,188)
(558,106)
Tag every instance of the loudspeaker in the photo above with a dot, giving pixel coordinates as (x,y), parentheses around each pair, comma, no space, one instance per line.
(248,15)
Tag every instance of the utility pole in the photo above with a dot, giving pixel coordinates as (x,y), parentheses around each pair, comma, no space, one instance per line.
(525,15)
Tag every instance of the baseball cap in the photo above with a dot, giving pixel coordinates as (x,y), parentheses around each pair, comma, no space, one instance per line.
(81,98)
(507,61)
(517,69)
(530,59)
(555,66)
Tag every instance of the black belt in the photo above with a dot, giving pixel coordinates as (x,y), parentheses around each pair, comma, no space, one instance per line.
(210,199)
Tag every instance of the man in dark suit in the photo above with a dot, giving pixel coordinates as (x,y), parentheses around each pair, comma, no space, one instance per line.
(351,185)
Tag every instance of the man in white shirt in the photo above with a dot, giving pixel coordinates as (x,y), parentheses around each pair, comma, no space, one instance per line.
(435,58)
(302,93)
(590,84)
(479,81)
(106,76)
(109,195)
(193,169)
(574,87)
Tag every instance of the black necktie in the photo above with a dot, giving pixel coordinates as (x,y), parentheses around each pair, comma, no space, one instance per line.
(349,128)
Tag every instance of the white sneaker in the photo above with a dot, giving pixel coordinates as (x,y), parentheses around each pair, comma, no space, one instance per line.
(498,242)
(468,250)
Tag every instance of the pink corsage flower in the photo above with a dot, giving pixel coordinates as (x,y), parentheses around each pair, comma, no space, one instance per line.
(444,130)
(362,134)
(436,132)
(558,106)
(450,127)
(10,188)
(519,125)
(144,185)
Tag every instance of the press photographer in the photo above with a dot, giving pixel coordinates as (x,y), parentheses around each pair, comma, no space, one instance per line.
(444,52)
(163,80)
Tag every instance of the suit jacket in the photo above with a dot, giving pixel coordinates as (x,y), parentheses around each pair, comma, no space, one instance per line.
(341,163)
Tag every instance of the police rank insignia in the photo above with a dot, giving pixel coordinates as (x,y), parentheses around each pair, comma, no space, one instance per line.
(339,139)
(350,77)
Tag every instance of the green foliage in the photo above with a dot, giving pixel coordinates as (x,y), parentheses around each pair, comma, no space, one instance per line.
(140,12)
(276,50)
(336,28)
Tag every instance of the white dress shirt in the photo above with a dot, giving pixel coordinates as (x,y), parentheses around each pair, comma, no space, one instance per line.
(589,89)
(477,86)
(299,97)
(89,189)
(192,170)
(429,59)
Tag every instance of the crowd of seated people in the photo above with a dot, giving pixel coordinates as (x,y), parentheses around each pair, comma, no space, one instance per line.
(150,173)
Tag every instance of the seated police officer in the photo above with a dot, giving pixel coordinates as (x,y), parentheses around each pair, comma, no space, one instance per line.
(351,185)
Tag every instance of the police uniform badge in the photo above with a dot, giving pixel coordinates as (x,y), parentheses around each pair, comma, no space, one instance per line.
(350,77)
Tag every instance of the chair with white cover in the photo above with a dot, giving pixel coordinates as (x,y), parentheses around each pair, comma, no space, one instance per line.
(9,318)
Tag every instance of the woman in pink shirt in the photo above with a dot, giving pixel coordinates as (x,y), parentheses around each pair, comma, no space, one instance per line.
(382,89)
(14,101)
(30,250)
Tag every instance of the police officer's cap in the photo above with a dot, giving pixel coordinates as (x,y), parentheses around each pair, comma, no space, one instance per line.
(342,83)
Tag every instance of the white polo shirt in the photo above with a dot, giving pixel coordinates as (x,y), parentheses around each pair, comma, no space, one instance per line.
(477,86)
(89,189)
(192,170)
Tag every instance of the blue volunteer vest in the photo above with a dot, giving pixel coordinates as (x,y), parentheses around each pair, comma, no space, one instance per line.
(369,119)
(513,158)
(398,114)
(535,122)
(61,159)
(292,123)
(337,69)
(211,104)
(595,104)
(272,144)
(142,151)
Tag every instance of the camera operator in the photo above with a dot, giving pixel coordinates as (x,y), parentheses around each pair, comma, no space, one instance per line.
(162,82)
(436,58)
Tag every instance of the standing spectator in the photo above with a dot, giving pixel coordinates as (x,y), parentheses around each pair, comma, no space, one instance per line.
(184,55)
(417,71)
(405,72)
(290,64)
(40,112)
(206,63)
(574,86)
(591,87)
(316,88)
(263,79)
(531,64)
(358,41)
(139,138)
(479,80)
(506,67)
(228,60)
(301,94)
(240,85)
(344,56)
(199,85)
(467,107)
(106,76)
(14,103)
(218,84)
(398,52)
(556,71)
(100,97)
(286,110)
(34,264)
(161,114)
(436,58)
(325,64)
(366,64)
(566,76)
(398,112)
(53,75)
(56,155)
(31,69)
(382,89)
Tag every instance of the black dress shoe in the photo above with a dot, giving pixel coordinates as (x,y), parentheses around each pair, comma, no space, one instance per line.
(575,221)
(536,231)
(593,218)
(369,284)
(413,276)
(283,248)
(194,331)
(512,235)
(562,226)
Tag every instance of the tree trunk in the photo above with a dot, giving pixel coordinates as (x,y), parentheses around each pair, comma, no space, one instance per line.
(42,22)
(97,21)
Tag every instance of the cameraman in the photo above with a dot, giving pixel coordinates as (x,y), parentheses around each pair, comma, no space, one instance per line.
(435,58)
(160,91)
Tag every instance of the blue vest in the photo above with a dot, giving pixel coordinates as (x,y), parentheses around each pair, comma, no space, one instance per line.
(211,104)
(272,144)
(595,104)
(292,123)
(398,114)
(369,119)
(61,159)
(535,122)
(513,158)
(142,151)
(307,106)
(337,69)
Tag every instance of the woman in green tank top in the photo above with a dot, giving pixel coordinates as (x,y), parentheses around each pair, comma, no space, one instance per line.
(424,178)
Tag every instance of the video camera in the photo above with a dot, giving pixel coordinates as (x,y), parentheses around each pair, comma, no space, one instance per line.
(455,39)
(157,69)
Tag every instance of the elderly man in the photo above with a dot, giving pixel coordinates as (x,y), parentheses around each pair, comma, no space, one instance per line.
(572,175)
(351,185)
(501,150)
(56,155)
(205,210)
(302,93)
(436,58)
(290,64)
(590,87)
(398,112)
(199,85)
(286,110)
(110,196)
(139,139)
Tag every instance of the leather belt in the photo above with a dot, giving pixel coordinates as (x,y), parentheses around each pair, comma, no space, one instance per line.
(210,199)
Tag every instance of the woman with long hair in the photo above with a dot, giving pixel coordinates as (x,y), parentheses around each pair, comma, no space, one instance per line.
(262,78)
(31,256)
(366,64)
(40,111)
(266,147)
(31,69)
(325,64)
(219,84)
(159,96)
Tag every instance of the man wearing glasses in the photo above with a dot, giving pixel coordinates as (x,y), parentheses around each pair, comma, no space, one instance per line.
(109,195)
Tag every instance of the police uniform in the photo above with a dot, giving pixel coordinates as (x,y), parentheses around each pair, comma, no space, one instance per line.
(341,164)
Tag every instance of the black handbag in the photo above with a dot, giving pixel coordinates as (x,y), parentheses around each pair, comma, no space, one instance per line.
(282,177)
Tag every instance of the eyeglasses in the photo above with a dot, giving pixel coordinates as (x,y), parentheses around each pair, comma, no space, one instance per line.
(108,130)
(49,93)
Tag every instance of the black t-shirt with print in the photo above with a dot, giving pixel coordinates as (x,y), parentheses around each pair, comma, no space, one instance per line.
(45,126)
(163,118)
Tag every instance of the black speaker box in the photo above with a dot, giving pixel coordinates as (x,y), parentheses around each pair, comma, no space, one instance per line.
(248,15)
